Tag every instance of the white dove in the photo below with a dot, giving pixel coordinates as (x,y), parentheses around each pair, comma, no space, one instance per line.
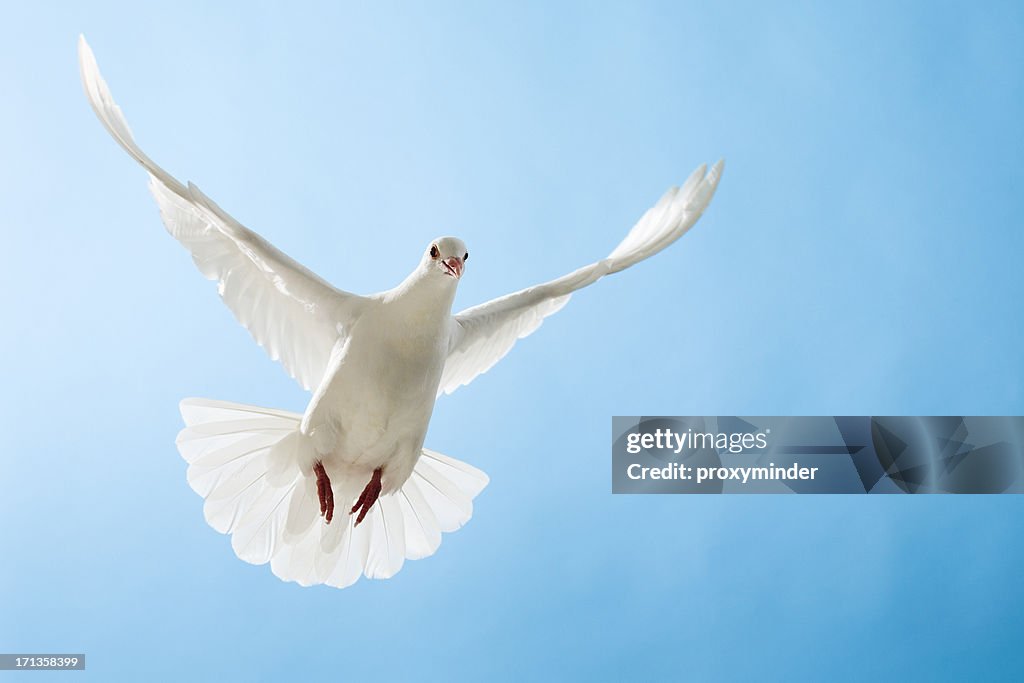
(375,365)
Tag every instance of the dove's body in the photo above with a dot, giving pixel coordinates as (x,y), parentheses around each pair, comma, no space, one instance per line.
(374,405)
(375,365)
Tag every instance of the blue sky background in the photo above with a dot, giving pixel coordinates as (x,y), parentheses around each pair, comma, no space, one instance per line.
(862,256)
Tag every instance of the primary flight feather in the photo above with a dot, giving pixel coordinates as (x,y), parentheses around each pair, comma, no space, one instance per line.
(375,365)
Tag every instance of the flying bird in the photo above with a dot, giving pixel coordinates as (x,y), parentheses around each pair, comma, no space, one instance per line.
(347,488)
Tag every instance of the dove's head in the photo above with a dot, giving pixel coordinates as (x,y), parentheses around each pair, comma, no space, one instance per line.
(445,257)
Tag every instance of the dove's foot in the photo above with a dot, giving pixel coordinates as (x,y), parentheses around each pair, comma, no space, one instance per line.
(368,497)
(325,492)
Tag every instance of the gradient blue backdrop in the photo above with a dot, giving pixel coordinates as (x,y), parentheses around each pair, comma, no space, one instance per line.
(862,256)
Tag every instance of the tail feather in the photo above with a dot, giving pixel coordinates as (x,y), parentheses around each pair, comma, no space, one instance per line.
(423,533)
(449,505)
(386,554)
(252,466)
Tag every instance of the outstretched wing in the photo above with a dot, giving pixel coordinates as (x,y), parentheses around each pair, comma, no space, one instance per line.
(293,314)
(482,335)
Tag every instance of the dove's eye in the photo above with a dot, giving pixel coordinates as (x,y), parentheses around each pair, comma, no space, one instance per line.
(434,253)
(466,257)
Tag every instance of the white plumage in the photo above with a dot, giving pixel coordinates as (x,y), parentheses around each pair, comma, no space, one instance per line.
(375,365)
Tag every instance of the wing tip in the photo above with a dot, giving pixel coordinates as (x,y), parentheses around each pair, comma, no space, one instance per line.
(717,169)
(87,65)
(711,181)
(83,46)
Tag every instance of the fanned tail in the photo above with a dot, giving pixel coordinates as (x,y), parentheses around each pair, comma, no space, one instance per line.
(253,467)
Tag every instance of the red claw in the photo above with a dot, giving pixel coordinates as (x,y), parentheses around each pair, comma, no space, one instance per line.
(324,492)
(368,497)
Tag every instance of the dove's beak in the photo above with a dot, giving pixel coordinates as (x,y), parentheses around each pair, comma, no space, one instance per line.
(453,266)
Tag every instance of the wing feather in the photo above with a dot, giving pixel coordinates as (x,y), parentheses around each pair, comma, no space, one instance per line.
(294,315)
(482,335)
